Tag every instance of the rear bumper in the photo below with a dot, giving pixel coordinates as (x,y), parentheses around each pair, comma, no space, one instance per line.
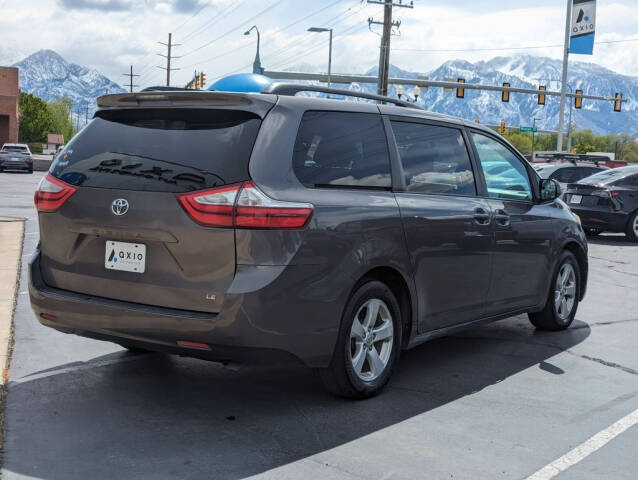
(603,219)
(16,165)
(259,325)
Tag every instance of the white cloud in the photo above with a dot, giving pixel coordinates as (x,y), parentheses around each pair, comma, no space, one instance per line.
(100,34)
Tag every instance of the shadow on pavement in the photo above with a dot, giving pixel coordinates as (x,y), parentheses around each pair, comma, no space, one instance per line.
(157,416)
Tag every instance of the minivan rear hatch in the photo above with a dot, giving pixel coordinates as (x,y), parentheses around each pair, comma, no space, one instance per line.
(129,165)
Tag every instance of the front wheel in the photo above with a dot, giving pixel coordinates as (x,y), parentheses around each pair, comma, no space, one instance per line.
(562,300)
(368,345)
(632,227)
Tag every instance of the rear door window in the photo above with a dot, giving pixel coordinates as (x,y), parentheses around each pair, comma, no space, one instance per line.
(172,150)
(342,149)
(434,159)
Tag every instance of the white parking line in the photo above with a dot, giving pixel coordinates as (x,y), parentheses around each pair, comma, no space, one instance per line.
(586,448)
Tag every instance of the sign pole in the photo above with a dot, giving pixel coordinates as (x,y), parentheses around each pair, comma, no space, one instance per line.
(561,114)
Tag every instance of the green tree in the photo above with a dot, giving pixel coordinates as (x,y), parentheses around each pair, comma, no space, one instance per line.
(60,110)
(35,119)
(522,142)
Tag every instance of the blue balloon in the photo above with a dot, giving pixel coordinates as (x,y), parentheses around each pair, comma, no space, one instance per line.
(241,82)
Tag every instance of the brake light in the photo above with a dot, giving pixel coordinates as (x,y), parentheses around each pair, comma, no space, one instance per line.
(244,206)
(601,193)
(52,193)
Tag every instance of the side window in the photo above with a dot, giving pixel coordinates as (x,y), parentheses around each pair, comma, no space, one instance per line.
(512,180)
(630,181)
(434,159)
(567,174)
(341,149)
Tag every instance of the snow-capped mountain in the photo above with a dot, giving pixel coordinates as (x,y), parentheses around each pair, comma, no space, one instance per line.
(47,75)
(527,71)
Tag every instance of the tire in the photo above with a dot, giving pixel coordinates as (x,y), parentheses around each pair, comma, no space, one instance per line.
(593,232)
(632,228)
(348,377)
(557,315)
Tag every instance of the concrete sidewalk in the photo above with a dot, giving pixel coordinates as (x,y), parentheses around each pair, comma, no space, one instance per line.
(11,235)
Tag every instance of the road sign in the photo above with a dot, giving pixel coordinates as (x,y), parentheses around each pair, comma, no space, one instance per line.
(528,129)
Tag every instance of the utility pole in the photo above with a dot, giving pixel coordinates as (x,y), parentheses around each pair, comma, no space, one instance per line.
(384,51)
(86,114)
(561,113)
(168,58)
(130,75)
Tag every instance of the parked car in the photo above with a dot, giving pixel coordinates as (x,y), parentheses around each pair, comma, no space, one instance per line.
(607,201)
(16,156)
(229,226)
(566,173)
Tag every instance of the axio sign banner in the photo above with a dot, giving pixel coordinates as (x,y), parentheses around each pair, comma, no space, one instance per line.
(581,39)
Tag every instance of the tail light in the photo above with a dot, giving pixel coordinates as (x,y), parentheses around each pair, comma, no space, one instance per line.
(601,193)
(52,193)
(244,206)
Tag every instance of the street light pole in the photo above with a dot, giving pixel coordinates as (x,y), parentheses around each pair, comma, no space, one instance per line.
(321,29)
(257,68)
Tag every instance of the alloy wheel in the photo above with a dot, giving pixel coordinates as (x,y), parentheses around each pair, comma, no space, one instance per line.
(371,339)
(565,291)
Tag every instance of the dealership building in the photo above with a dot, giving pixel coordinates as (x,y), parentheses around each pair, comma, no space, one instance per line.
(9,92)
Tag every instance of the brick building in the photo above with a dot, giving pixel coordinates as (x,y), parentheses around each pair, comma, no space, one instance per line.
(9,91)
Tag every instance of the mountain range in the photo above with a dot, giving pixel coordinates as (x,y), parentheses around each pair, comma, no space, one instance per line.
(48,75)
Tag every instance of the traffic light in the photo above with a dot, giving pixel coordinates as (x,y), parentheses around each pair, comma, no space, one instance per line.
(541,96)
(578,101)
(202,79)
(460,92)
(618,102)
(505,97)
(501,128)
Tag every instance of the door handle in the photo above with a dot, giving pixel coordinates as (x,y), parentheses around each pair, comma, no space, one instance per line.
(502,218)
(481,216)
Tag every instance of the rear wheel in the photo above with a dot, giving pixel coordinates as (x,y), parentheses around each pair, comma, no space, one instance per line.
(562,300)
(632,227)
(368,345)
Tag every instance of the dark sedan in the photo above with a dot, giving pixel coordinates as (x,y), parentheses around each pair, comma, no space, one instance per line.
(607,201)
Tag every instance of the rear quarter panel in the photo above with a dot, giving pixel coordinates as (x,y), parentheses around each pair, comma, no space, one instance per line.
(350,232)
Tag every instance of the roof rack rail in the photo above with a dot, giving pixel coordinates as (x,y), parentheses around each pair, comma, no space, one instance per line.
(291,89)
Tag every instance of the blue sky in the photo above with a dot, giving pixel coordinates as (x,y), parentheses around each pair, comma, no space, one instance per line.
(109,35)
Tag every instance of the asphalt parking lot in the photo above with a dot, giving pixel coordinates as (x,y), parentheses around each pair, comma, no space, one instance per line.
(501,401)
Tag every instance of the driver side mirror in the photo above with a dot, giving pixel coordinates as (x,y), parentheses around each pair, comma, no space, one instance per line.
(550,190)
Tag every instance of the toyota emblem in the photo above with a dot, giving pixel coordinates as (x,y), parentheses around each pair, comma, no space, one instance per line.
(119,206)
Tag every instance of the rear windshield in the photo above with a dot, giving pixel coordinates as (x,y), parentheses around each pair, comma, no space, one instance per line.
(607,176)
(14,148)
(174,150)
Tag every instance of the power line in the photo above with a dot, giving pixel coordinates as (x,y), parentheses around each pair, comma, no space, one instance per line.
(228,32)
(215,19)
(192,16)
(444,50)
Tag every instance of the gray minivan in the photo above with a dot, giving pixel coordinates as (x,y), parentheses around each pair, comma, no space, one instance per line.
(263,226)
